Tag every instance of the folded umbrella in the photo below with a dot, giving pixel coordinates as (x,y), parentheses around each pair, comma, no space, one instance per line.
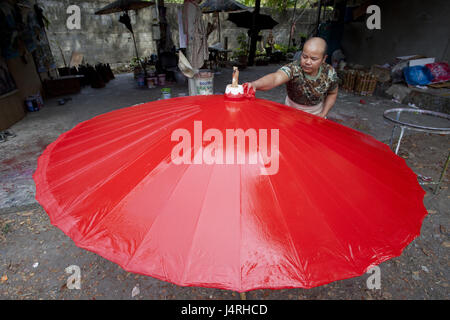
(244,20)
(211,6)
(124,5)
(166,190)
(216,6)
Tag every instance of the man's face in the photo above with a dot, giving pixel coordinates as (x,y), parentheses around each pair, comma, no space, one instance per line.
(311,59)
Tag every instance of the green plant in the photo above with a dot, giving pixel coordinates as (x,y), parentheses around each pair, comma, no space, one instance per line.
(239,52)
(242,50)
(262,61)
(135,62)
(260,52)
(302,35)
(262,57)
(280,47)
(285,49)
(293,49)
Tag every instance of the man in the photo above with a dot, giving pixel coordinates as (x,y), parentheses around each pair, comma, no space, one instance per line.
(312,84)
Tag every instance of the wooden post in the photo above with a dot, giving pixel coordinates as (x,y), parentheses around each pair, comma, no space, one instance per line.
(161,43)
(254,34)
(318,17)
(226,48)
(292,23)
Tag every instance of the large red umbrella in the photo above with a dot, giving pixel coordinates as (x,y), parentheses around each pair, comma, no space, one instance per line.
(329,203)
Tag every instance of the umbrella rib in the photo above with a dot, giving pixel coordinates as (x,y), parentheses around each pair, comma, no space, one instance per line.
(86,193)
(334,141)
(318,173)
(130,113)
(157,217)
(114,128)
(351,151)
(201,211)
(279,209)
(188,260)
(99,161)
(291,242)
(313,168)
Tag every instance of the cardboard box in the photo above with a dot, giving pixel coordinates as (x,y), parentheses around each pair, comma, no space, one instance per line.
(421,62)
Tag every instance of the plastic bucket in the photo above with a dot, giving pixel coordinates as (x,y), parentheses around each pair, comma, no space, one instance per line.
(141,81)
(38,98)
(32,104)
(162,79)
(203,83)
(151,82)
(165,93)
(29,104)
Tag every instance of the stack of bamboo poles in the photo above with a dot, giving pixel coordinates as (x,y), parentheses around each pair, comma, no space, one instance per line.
(349,80)
(359,82)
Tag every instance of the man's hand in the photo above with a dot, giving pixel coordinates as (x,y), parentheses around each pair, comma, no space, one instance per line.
(248,87)
(329,103)
(323,115)
(249,90)
(269,81)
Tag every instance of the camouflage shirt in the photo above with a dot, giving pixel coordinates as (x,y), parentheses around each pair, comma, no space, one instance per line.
(309,90)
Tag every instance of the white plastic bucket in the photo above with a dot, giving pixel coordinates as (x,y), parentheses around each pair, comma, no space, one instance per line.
(202,83)
(166,93)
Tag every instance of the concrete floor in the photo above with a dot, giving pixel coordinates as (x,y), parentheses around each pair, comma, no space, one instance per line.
(28,238)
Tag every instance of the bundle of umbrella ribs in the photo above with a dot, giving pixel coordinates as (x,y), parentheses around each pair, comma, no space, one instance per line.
(235,91)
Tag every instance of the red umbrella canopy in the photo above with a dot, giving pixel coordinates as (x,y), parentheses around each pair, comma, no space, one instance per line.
(238,195)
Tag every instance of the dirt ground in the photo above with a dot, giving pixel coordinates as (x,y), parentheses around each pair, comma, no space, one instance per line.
(34,254)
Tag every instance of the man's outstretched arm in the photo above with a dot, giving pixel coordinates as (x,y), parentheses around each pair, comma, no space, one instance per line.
(270,81)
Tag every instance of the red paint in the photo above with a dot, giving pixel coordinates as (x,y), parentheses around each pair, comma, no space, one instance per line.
(9,162)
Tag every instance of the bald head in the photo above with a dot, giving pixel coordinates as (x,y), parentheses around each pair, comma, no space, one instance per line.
(313,55)
(316,44)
